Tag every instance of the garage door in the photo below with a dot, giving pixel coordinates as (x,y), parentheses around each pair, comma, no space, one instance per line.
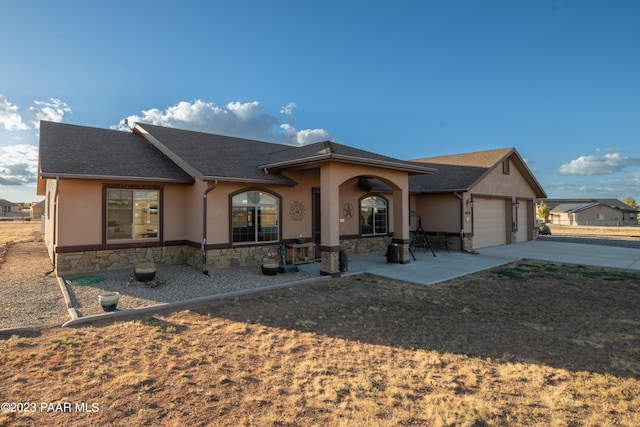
(489,222)
(523,223)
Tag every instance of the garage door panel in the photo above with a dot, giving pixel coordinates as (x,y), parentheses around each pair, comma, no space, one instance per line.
(489,222)
(522,234)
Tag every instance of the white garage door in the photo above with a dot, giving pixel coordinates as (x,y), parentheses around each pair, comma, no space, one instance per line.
(489,222)
(523,225)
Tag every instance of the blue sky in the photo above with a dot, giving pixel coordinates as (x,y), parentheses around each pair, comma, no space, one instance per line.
(557,80)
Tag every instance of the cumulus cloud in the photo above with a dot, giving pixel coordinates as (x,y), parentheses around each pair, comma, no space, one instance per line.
(9,116)
(52,110)
(597,165)
(244,120)
(18,164)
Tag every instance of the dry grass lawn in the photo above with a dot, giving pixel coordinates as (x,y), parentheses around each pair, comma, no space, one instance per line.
(627,231)
(16,232)
(535,344)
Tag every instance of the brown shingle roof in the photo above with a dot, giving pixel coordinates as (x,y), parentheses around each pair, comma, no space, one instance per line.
(78,151)
(211,156)
(478,159)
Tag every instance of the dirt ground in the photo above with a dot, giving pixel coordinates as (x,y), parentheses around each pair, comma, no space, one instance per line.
(531,343)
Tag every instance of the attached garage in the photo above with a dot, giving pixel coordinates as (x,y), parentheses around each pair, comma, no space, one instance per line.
(489,222)
(480,199)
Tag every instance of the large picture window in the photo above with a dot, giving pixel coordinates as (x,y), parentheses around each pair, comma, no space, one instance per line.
(255,216)
(132,214)
(373,215)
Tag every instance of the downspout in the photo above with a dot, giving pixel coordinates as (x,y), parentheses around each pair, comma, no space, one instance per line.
(461,219)
(203,248)
(55,229)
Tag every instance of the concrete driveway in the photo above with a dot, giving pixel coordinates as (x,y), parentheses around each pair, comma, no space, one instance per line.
(427,269)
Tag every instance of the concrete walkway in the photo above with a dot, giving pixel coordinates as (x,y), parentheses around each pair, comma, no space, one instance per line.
(427,269)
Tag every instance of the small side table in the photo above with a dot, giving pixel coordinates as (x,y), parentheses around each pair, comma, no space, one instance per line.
(300,253)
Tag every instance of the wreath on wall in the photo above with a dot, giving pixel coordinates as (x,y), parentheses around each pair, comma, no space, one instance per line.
(297,211)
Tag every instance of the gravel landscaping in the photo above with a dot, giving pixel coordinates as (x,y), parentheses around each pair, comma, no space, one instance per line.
(171,284)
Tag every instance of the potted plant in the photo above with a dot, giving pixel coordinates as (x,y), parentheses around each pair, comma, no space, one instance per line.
(270,264)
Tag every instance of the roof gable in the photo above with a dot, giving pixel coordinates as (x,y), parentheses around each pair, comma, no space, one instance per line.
(333,151)
(461,172)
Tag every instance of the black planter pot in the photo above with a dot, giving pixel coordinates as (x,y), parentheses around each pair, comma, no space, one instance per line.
(145,272)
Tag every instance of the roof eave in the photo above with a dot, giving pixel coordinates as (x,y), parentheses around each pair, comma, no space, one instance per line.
(286,181)
(51,175)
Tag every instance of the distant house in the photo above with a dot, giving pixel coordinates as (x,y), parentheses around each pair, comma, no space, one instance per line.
(37,210)
(594,212)
(7,207)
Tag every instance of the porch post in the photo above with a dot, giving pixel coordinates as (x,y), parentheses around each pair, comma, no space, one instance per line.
(401,220)
(329,220)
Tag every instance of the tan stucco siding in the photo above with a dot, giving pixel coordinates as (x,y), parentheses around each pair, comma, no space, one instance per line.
(439,212)
(293,226)
(79,213)
(173,204)
(497,183)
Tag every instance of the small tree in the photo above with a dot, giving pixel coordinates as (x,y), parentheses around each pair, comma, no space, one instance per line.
(543,211)
(629,201)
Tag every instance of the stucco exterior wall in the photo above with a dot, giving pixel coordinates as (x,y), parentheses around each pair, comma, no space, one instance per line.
(80,212)
(498,183)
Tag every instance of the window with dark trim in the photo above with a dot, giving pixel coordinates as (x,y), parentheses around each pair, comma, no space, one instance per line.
(505,167)
(132,214)
(373,215)
(255,217)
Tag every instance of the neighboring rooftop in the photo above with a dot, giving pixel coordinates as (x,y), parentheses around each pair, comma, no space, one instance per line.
(613,203)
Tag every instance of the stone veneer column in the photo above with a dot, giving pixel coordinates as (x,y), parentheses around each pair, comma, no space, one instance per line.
(403,247)
(330,257)
(330,219)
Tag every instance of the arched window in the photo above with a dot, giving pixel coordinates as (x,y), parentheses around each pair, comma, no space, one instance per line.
(255,217)
(373,215)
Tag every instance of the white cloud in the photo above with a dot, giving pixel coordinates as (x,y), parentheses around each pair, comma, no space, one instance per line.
(245,120)
(18,164)
(9,116)
(597,165)
(288,109)
(309,136)
(52,110)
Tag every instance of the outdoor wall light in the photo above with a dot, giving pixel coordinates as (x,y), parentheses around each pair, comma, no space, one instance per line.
(470,202)
(516,204)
